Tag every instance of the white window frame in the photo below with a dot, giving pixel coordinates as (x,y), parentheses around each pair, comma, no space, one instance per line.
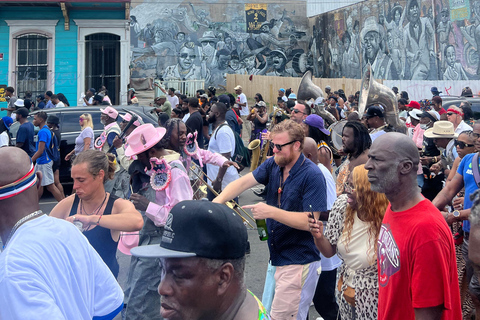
(41,27)
(117,27)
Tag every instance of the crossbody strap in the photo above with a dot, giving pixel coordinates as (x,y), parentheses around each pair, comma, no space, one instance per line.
(476,174)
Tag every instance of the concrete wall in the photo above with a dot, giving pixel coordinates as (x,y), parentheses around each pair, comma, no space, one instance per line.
(382,33)
(209,39)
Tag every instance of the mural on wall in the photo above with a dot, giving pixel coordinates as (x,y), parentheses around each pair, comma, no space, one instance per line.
(185,41)
(405,40)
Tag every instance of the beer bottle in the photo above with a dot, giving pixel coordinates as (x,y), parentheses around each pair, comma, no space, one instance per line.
(262,229)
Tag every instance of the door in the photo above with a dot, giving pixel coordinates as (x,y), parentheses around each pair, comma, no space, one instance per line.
(103,64)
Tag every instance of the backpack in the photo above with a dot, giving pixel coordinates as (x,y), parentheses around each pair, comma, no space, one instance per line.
(241,155)
(53,150)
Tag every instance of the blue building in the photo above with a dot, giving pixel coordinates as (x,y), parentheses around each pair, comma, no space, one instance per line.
(65,47)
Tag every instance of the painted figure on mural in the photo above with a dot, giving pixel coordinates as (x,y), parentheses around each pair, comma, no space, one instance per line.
(454,70)
(444,28)
(277,65)
(269,34)
(395,53)
(185,69)
(135,32)
(382,65)
(418,36)
(234,65)
(208,44)
(218,75)
(470,33)
(351,61)
(394,24)
(249,63)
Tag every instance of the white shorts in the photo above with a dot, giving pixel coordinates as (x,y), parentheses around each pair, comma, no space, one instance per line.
(47,173)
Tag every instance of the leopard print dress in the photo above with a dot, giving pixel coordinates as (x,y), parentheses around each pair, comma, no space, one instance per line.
(365,280)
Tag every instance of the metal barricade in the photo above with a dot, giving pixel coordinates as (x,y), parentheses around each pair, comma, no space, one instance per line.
(186,87)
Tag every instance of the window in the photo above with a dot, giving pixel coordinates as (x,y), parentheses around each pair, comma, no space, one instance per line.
(31,65)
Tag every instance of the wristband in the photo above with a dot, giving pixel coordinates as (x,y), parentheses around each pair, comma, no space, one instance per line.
(98,221)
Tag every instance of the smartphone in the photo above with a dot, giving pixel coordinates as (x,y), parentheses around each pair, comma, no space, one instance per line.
(311,214)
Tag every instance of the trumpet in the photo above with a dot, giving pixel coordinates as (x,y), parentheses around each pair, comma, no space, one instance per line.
(231,204)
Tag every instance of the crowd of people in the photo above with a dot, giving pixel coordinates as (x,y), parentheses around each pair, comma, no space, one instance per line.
(378,228)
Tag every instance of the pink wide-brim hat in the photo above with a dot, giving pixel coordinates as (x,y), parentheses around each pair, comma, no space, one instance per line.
(128,241)
(127,117)
(143,138)
(111,112)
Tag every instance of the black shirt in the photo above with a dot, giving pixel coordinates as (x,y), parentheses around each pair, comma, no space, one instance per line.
(195,123)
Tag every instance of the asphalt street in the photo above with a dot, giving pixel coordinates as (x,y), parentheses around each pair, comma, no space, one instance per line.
(256,263)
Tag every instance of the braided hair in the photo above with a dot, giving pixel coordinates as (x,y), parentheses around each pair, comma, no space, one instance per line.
(170,125)
(362,140)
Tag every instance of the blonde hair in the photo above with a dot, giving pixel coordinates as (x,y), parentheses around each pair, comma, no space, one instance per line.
(295,131)
(87,120)
(372,206)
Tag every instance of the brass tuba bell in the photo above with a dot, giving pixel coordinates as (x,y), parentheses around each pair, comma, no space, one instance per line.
(308,90)
(373,93)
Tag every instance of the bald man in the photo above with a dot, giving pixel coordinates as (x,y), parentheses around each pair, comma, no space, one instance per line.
(417,269)
(48,270)
(324,298)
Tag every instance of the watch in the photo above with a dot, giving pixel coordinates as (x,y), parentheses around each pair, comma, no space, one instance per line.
(456,213)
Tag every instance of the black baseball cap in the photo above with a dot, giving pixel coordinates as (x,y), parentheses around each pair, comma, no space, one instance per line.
(197,228)
(53,119)
(224,99)
(374,111)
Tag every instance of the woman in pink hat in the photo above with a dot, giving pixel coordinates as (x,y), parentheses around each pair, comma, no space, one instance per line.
(98,214)
(159,182)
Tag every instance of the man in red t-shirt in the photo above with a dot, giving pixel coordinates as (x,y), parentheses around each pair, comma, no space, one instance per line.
(417,268)
(437,105)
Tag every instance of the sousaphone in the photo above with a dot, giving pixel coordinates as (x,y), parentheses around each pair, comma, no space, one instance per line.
(373,93)
(307,90)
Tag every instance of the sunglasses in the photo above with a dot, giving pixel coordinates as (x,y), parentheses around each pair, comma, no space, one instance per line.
(186,55)
(349,188)
(474,135)
(297,111)
(450,113)
(81,119)
(463,145)
(280,146)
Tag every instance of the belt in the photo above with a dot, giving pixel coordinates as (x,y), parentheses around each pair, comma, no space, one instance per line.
(466,235)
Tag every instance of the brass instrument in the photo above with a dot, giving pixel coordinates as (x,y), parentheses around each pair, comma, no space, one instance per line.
(373,93)
(254,146)
(307,90)
(259,155)
(231,204)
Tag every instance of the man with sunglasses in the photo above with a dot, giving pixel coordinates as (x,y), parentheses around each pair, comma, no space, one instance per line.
(455,116)
(465,177)
(296,188)
(300,112)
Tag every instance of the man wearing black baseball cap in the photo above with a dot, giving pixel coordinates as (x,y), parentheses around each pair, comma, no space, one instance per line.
(375,121)
(202,253)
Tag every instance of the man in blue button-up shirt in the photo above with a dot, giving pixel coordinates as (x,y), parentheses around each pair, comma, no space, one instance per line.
(295,186)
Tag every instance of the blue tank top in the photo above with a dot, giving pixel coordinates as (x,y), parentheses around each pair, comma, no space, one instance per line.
(101,238)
